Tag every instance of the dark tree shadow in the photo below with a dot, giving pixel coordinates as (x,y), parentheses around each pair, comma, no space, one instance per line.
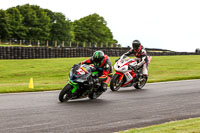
(87,101)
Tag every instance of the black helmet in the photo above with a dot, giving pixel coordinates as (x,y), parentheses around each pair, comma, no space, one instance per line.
(136,44)
(98,57)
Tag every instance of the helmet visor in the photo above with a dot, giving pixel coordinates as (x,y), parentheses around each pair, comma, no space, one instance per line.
(135,46)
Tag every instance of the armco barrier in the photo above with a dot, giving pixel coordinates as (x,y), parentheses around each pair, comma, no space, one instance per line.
(44,52)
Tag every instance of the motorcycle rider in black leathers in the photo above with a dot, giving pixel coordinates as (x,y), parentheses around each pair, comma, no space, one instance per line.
(103,65)
(141,56)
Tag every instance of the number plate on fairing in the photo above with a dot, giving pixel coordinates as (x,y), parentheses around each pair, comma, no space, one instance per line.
(128,76)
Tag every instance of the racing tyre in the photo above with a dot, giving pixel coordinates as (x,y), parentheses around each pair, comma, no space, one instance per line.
(95,95)
(65,93)
(114,84)
(141,83)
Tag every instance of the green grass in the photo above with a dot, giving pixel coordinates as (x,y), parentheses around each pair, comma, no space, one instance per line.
(23,45)
(47,74)
(171,68)
(183,126)
(52,74)
(13,45)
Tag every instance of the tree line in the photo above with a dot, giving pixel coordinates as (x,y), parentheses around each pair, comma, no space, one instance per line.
(30,22)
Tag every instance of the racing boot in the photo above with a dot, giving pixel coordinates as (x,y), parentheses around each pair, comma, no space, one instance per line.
(97,84)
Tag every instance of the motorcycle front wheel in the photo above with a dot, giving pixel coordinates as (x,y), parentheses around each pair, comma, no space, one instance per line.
(115,83)
(65,93)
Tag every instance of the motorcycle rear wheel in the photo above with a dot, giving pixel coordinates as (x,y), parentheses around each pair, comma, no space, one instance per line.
(95,95)
(114,84)
(141,83)
(65,93)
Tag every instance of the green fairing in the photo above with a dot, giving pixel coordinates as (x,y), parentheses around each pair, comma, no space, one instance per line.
(75,85)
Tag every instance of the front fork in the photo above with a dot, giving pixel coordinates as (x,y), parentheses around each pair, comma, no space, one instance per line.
(133,75)
(74,85)
(121,76)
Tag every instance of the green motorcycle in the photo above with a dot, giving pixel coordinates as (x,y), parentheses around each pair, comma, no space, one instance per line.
(81,84)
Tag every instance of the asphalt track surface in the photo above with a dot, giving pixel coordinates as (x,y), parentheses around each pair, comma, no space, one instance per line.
(41,112)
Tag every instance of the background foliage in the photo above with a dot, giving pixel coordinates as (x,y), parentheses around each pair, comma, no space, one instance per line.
(30,22)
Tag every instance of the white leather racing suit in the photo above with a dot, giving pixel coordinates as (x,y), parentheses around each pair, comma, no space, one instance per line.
(141,58)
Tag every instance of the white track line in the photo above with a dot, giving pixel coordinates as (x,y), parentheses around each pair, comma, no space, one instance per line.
(177,81)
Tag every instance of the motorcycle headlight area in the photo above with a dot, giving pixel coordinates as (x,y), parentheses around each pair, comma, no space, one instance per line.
(122,61)
(80,80)
(123,68)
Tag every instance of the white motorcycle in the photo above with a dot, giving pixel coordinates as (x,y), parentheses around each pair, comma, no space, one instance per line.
(126,74)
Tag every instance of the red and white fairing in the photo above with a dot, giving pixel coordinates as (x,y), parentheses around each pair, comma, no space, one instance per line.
(121,68)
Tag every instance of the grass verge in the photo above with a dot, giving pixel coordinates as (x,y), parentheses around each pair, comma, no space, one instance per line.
(182,126)
(52,74)
(13,45)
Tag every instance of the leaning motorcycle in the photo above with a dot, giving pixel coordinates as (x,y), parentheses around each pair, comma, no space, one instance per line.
(81,84)
(126,74)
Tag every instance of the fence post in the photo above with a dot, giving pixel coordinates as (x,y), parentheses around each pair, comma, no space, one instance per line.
(70,44)
(30,42)
(56,43)
(47,43)
(63,43)
(10,42)
(77,44)
(38,43)
(20,42)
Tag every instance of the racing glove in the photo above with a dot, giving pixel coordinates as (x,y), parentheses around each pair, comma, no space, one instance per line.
(75,65)
(117,59)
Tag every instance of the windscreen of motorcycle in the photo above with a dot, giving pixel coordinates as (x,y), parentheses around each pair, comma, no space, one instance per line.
(133,63)
(81,71)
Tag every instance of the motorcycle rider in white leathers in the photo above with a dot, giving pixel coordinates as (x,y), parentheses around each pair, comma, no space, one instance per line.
(141,56)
